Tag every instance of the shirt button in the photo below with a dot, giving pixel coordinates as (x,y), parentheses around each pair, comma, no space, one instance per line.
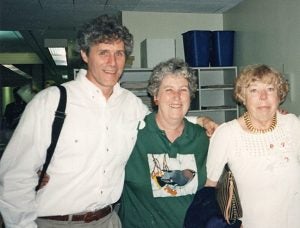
(107,150)
(101,192)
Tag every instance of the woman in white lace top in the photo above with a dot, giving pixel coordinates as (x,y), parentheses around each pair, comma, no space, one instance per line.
(262,148)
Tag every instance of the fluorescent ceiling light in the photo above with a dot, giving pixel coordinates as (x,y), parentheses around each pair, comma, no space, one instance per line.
(17,70)
(59,55)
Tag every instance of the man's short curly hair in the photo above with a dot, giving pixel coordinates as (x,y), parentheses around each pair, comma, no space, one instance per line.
(104,29)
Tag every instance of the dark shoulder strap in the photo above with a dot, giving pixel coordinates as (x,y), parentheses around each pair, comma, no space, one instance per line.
(56,128)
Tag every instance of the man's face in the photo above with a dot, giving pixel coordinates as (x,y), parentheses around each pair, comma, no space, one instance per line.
(106,63)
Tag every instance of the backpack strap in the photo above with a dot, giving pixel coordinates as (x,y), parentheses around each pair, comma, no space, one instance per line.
(56,129)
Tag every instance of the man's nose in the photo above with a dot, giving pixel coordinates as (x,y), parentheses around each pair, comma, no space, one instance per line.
(112,59)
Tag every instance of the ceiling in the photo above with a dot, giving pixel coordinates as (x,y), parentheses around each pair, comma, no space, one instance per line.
(30,22)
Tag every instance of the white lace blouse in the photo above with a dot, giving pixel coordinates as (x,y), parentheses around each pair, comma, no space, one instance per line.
(266,168)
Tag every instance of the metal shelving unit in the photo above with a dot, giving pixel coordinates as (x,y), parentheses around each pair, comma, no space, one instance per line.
(214,97)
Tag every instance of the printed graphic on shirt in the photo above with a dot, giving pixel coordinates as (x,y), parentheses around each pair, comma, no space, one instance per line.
(173,176)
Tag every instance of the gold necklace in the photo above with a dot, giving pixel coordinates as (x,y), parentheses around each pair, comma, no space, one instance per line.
(259,131)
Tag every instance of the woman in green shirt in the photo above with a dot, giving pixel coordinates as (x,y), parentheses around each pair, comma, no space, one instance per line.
(167,164)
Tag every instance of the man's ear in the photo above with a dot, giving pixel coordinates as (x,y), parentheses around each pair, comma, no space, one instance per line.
(84,56)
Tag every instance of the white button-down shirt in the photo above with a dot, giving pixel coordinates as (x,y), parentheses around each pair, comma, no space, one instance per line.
(87,168)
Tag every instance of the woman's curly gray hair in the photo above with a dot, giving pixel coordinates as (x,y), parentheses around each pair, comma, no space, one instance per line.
(104,29)
(176,67)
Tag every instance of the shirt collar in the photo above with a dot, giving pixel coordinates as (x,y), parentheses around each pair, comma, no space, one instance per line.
(153,127)
(92,88)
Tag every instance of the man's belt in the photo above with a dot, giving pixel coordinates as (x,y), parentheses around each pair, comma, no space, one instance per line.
(87,217)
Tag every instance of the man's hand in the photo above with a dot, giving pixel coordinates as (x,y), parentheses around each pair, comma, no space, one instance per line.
(208,124)
(45,180)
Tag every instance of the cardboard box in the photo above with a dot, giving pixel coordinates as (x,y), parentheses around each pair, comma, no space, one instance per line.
(154,51)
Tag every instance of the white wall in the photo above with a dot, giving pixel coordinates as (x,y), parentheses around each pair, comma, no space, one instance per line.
(268,32)
(166,25)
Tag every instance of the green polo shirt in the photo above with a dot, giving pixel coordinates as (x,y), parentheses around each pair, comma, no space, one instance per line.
(162,177)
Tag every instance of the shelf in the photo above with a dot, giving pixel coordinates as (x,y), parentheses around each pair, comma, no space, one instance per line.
(221,86)
(134,84)
(191,112)
(222,107)
(136,81)
(140,93)
(216,68)
(214,94)
(217,87)
(135,75)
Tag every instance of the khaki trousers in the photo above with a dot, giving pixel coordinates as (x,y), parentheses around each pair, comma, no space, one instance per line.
(110,221)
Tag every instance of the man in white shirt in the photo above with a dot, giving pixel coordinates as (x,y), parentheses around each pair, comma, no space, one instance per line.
(87,168)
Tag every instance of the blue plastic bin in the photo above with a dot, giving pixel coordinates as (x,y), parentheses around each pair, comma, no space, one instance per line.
(196,46)
(222,48)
